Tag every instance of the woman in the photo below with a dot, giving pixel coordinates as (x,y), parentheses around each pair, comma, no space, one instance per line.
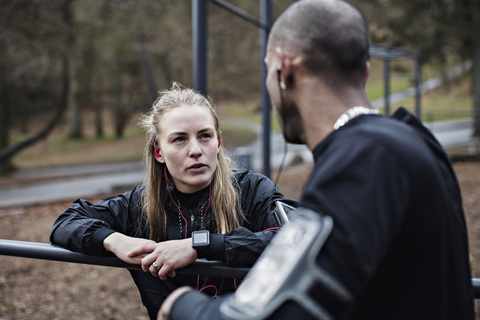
(189,186)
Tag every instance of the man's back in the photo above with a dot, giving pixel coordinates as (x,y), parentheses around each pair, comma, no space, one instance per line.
(399,242)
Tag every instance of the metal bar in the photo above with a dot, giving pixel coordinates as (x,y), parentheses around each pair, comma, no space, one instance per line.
(386,79)
(199,30)
(476,288)
(418,81)
(46,251)
(242,14)
(265,15)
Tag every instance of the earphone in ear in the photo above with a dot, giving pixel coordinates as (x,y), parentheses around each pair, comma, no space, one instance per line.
(219,143)
(155,149)
(156,152)
(281,84)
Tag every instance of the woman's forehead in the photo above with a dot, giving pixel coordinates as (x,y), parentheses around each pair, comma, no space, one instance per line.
(187,118)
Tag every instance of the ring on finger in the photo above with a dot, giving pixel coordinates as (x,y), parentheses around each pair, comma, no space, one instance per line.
(155,266)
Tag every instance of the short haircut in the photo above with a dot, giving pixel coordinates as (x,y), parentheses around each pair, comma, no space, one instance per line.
(330,35)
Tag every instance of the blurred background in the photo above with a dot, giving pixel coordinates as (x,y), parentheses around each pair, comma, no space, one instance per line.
(75,76)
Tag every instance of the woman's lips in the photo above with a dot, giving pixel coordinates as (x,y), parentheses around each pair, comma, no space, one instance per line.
(197,167)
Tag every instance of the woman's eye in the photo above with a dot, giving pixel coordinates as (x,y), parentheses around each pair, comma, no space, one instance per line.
(178,139)
(206,136)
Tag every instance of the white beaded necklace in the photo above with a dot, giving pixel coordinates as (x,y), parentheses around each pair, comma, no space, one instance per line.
(352,113)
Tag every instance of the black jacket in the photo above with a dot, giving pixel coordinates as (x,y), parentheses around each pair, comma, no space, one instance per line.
(84,226)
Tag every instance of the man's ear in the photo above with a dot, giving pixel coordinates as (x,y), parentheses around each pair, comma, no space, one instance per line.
(288,64)
(367,73)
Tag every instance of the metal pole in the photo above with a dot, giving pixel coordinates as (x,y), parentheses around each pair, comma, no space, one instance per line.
(240,13)
(386,79)
(418,79)
(199,30)
(265,18)
(46,251)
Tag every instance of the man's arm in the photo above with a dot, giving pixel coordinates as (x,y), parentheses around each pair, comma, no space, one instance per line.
(188,304)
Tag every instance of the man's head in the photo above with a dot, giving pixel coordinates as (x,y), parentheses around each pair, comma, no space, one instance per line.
(331,36)
(325,40)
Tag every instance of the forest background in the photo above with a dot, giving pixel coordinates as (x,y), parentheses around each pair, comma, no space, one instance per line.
(88,68)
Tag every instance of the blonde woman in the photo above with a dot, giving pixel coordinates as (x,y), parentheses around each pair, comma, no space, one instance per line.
(189,186)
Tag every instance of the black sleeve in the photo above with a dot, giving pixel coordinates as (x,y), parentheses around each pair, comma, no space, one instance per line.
(259,195)
(84,226)
(194,305)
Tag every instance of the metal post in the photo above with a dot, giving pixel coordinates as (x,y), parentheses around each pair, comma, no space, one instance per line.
(418,79)
(199,30)
(386,79)
(265,18)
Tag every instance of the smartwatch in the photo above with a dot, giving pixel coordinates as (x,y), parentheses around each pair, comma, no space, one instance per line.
(200,241)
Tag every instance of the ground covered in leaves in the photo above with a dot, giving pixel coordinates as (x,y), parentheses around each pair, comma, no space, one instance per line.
(40,289)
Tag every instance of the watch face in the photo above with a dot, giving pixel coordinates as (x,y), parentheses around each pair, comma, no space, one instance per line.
(201,238)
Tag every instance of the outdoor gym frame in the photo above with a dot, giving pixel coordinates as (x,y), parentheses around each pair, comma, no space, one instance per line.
(200,59)
(199,29)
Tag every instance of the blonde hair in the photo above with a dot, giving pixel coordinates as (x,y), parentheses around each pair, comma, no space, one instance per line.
(224,203)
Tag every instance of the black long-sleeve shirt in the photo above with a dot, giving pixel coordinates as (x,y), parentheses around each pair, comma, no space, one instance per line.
(399,242)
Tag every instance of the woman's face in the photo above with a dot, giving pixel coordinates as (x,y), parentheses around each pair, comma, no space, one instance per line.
(188,144)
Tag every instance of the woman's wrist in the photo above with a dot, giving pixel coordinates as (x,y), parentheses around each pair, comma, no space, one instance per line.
(110,241)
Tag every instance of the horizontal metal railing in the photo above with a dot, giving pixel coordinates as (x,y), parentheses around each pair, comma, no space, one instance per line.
(46,251)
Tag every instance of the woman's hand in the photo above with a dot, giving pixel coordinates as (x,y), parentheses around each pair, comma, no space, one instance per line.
(122,246)
(165,257)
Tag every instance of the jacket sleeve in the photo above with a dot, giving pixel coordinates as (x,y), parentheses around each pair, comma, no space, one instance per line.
(194,305)
(258,196)
(84,226)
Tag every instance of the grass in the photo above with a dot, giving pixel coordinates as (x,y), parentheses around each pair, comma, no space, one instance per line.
(444,103)
(59,150)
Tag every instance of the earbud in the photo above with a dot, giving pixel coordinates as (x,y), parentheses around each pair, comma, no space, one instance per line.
(281,84)
(219,143)
(284,84)
(155,149)
(156,152)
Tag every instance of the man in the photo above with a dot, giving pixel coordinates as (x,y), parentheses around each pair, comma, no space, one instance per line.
(398,247)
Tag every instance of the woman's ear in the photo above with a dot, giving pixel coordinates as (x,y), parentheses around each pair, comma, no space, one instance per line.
(157,153)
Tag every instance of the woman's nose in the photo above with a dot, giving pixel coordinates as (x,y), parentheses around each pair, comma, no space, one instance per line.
(194,150)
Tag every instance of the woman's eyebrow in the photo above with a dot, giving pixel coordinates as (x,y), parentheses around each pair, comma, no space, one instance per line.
(179,132)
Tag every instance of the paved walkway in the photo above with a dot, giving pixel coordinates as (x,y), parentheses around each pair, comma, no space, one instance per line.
(69,183)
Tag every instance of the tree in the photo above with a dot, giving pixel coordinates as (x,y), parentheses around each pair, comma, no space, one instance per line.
(70,50)
(476,65)
(446,31)
(30,39)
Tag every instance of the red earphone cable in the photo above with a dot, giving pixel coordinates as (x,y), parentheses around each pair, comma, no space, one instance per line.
(168,189)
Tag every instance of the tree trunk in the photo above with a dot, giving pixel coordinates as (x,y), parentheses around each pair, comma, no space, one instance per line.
(5,166)
(8,152)
(476,67)
(75,120)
